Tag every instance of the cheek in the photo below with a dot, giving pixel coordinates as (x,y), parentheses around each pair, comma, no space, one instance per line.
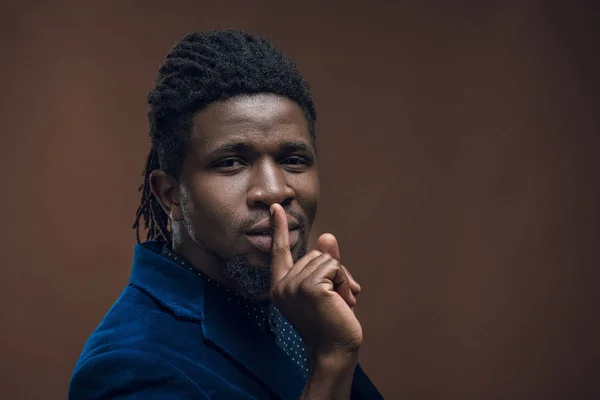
(308,196)
(212,211)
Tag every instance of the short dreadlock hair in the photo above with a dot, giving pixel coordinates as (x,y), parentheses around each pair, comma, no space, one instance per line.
(202,68)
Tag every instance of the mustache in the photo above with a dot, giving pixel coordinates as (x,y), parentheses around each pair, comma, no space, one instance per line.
(260,217)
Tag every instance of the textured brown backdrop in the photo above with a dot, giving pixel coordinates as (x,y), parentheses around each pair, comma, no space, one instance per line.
(459,150)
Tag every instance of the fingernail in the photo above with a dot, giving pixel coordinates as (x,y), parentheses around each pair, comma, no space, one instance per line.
(271,210)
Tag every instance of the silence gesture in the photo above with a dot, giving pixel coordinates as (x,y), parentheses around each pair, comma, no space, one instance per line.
(316,295)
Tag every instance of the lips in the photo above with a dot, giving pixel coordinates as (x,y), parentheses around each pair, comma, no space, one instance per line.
(264,241)
(264,227)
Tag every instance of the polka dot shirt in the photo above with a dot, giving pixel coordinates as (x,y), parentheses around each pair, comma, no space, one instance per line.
(265,315)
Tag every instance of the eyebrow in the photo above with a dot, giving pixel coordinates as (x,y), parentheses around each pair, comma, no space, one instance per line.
(287,147)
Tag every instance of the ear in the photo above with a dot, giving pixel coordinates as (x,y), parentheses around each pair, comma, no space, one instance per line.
(166,189)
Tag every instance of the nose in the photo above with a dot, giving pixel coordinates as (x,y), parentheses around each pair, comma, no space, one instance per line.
(268,185)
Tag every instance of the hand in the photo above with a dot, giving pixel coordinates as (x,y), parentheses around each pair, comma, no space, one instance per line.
(315,294)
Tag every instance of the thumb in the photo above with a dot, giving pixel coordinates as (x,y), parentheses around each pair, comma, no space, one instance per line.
(281,256)
(327,243)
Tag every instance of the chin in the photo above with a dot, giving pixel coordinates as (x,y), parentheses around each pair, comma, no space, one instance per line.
(249,274)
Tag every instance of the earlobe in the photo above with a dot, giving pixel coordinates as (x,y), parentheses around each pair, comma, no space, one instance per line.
(176,214)
(165,189)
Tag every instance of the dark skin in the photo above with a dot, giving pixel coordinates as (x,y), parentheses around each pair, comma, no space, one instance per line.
(251,159)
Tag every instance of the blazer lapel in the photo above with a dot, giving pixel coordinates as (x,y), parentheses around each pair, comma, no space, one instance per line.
(250,347)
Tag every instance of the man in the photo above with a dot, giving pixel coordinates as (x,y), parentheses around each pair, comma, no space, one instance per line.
(224,301)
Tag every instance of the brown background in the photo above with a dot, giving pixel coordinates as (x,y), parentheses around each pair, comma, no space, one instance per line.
(459,157)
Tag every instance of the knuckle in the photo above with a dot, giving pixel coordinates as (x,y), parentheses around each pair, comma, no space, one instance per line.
(331,263)
(288,289)
(277,245)
(279,249)
(314,253)
(325,258)
(304,286)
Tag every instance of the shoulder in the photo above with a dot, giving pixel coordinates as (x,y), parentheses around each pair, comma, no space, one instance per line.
(128,374)
(141,349)
(124,374)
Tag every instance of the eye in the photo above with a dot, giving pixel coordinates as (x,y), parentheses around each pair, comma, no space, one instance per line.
(296,161)
(228,164)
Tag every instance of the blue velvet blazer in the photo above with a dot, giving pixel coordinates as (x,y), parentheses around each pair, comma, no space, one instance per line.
(172,337)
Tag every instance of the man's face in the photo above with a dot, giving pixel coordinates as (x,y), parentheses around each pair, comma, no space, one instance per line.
(245,154)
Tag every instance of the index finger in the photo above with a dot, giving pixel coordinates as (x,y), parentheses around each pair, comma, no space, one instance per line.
(281,255)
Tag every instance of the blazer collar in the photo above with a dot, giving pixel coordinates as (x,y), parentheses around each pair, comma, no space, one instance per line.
(189,297)
(176,289)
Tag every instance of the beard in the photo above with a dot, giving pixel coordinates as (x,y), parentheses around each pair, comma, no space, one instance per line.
(252,281)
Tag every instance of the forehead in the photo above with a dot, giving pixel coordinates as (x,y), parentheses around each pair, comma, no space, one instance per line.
(262,121)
